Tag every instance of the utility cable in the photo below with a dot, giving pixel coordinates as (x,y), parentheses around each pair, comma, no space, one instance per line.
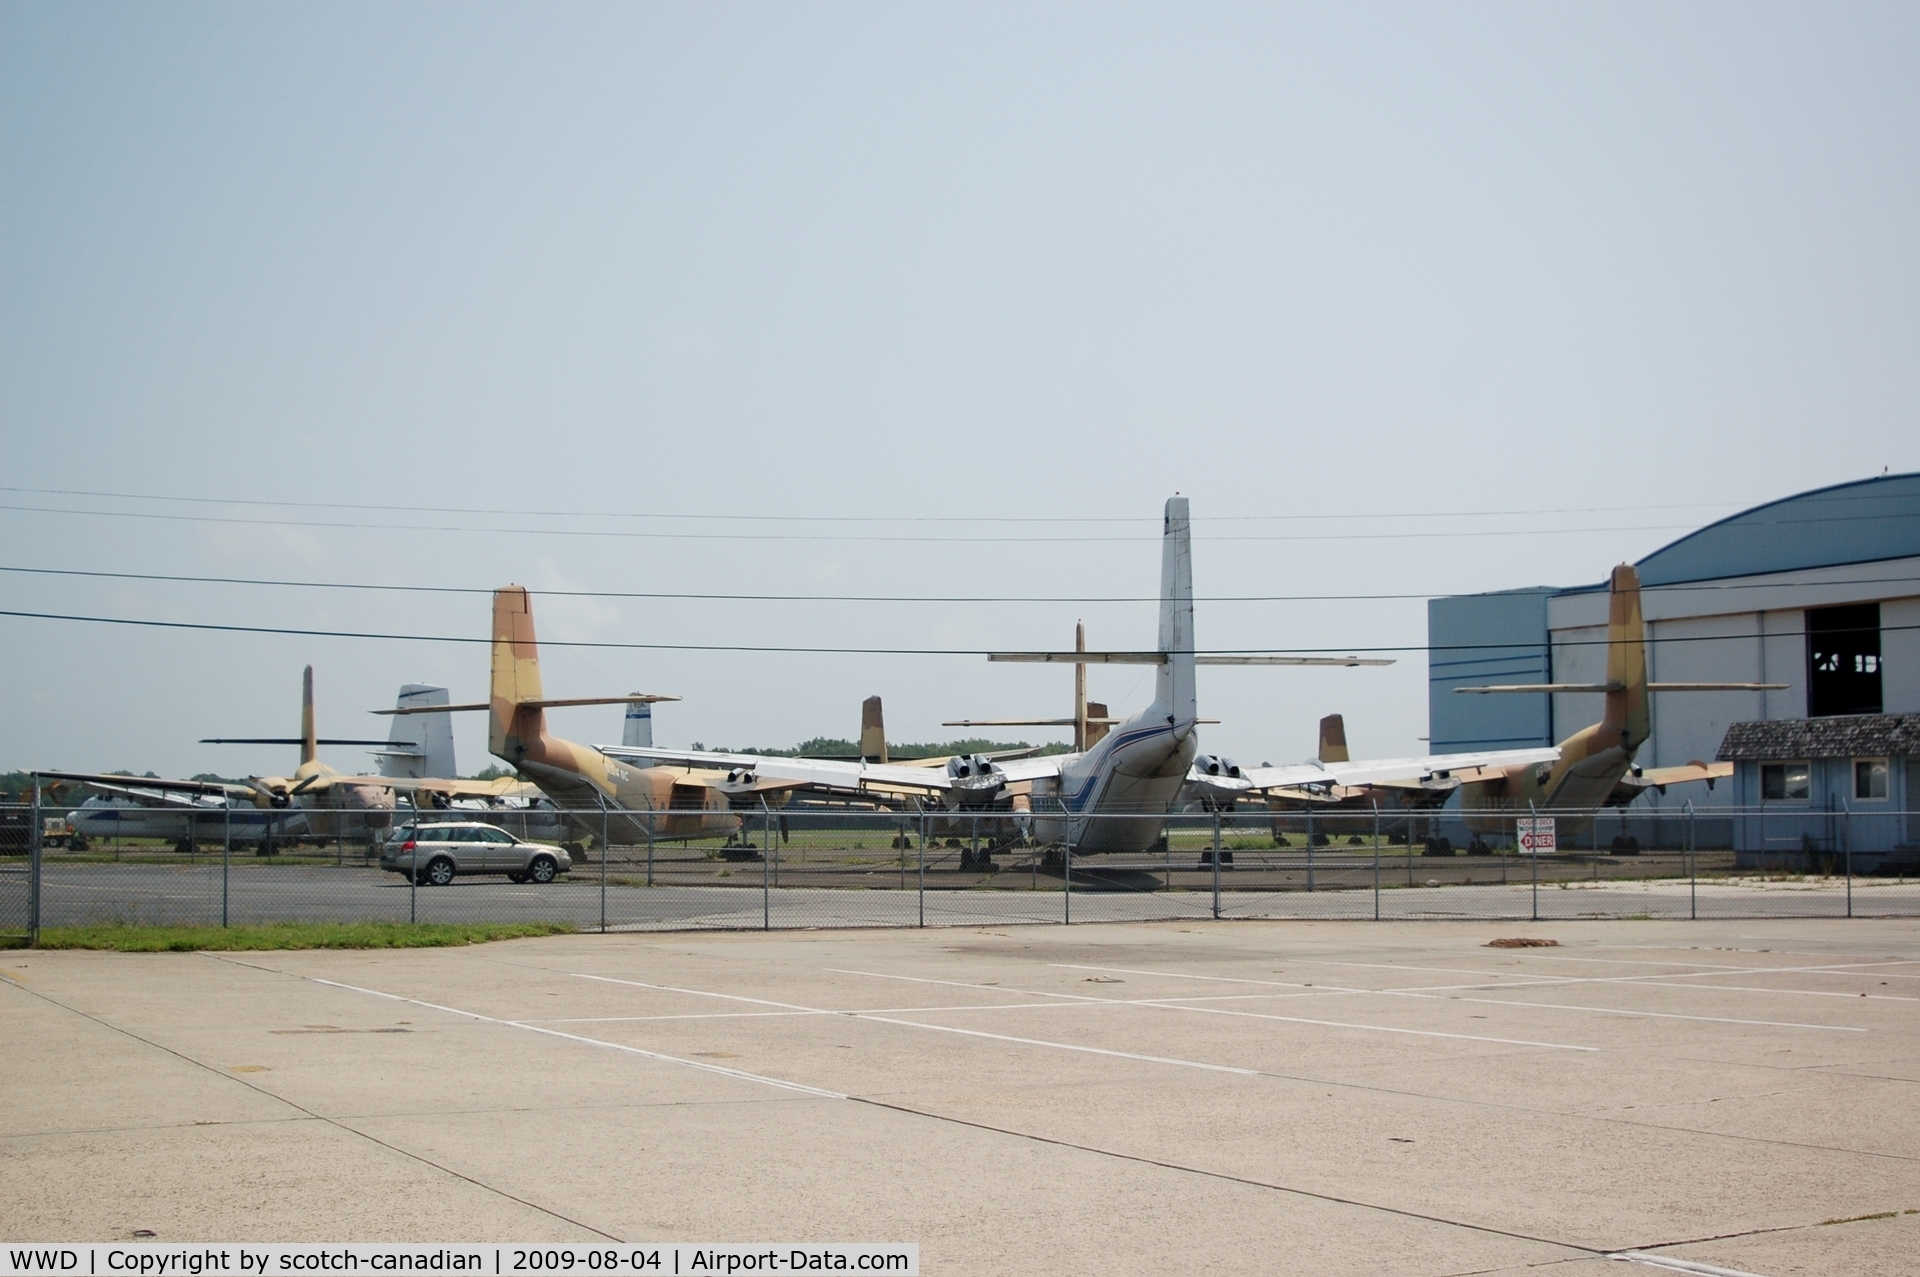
(887,651)
(712,596)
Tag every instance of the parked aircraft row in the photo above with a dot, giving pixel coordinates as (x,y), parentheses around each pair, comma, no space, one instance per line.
(1112,793)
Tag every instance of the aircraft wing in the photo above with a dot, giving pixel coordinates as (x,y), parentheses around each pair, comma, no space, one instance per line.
(500,787)
(1383,770)
(149,789)
(829,774)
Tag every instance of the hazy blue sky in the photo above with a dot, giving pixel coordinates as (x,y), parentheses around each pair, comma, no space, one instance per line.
(1409,299)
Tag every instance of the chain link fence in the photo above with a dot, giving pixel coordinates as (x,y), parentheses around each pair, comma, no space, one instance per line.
(803,865)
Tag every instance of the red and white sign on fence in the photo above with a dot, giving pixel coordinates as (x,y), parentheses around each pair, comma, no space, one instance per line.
(1534,836)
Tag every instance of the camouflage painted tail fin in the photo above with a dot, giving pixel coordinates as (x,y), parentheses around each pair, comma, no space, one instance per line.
(1333,740)
(516,676)
(1626,659)
(309,738)
(873,732)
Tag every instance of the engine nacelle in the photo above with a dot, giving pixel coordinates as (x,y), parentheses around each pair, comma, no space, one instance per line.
(1212,765)
(973,780)
(739,781)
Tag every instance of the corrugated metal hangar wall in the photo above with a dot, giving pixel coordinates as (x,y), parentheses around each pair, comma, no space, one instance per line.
(1832,574)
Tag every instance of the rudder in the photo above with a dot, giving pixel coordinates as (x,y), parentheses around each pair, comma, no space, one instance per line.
(516,676)
(1175,694)
(1626,658)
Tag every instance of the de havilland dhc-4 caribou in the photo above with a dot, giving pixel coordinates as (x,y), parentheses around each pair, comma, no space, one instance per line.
(1113,796)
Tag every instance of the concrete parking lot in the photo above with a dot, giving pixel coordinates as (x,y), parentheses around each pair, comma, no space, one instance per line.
(1326,1097)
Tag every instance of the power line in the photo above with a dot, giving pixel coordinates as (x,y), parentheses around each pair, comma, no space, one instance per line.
(709,596)
(1134,538)
(846,518)
(1533,646)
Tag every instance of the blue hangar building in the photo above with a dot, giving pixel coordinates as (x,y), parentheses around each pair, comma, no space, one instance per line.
(1820,591)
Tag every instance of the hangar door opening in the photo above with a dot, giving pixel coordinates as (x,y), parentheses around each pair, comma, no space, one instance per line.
(1843,660)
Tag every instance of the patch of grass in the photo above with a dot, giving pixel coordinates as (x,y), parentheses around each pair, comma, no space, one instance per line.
(123,938)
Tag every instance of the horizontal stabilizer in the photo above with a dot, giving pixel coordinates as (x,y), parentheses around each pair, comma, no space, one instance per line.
(1599,688)
(1160,658)
(1292,660)
(636,699)
(283,740)
(1661,777)
(1083,658)
(1028,722)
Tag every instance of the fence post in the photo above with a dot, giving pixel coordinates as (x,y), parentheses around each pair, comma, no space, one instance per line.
(649,843)
(34,861)
(766,887)
(1066,879)
(1533,817)
(604,831)
(1216,862)
(1693,870)
(923,862)
(226,854)
(1309,849)
(1846,838)
(1376,859)
(413,869)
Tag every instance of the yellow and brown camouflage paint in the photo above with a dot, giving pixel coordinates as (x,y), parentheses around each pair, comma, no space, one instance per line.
(517,733)
(1593,759)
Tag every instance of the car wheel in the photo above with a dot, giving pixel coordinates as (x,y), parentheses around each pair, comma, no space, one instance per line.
(439,871)
(542,869)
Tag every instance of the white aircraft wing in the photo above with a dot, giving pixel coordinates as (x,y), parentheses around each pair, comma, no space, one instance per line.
(1378,770)
(827,773)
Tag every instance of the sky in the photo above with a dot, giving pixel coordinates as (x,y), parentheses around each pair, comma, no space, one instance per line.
(926,302)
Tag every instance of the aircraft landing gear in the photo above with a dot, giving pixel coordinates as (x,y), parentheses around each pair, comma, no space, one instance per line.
(1438,847)
(1206,859)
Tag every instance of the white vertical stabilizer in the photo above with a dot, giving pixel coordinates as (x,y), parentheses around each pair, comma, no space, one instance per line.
(1174,696)
(419,745)
(639,726)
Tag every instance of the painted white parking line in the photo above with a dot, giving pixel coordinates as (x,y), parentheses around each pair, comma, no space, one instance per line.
(1171,1005)
(1182,975)
(1177,1004)
(1673,1265)
(961,984)
(701,993)
(1651,1015)
(1434,995)
(975,1033)
(1066,1046)
(700,1065)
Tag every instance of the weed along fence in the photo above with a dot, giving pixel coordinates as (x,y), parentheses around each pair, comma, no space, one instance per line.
(816,866)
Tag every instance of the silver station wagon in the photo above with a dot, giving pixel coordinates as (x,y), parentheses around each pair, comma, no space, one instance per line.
(435,854)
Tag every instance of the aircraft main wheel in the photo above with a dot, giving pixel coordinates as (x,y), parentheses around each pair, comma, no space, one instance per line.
(542,869)
(1625,845)
(1438,847)
(439,871)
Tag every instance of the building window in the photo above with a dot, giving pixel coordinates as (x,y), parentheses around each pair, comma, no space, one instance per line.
(1786,782)
(1843,660)
(1870,778)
